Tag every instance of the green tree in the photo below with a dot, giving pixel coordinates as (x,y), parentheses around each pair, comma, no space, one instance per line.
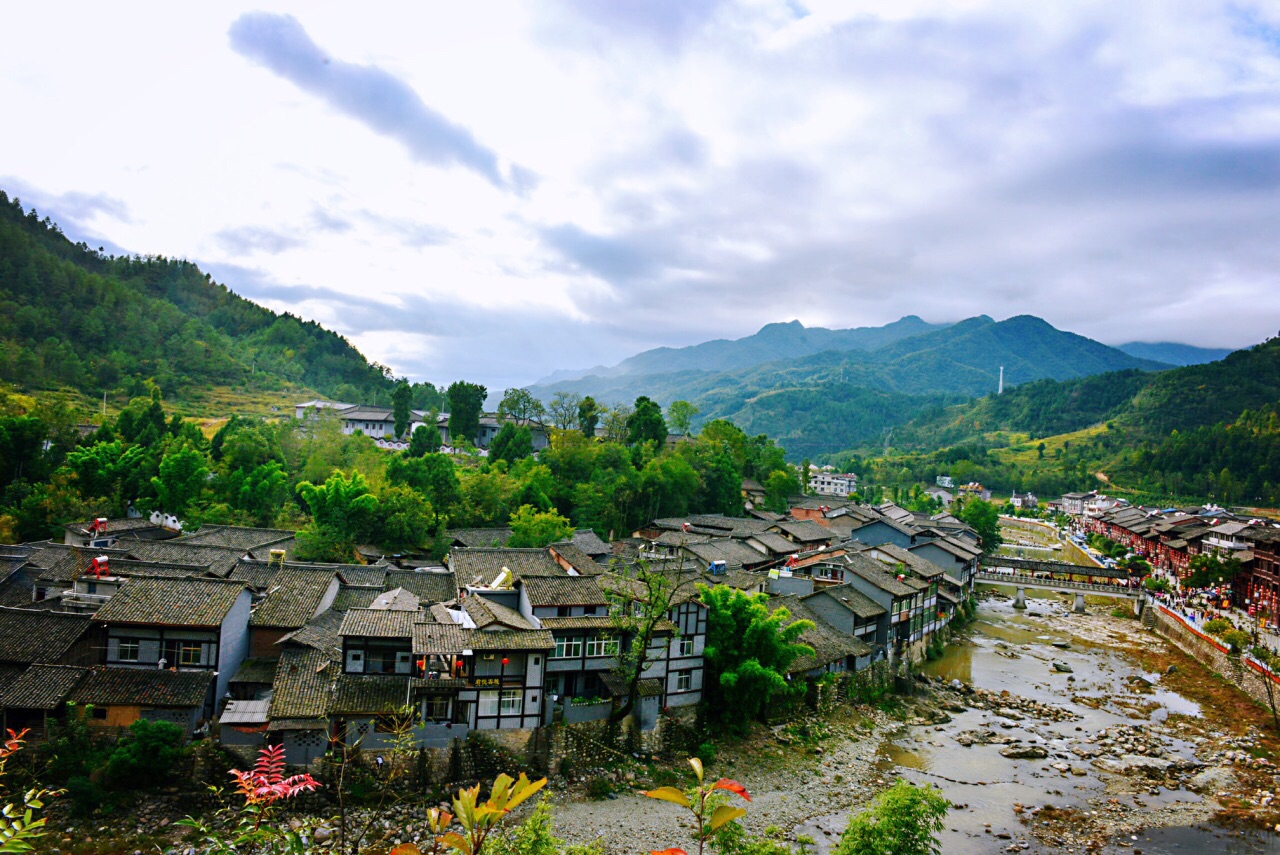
(147,756)
(433,475)
(748,652)
(984,518)
(404,519)
(511,443)
(639,604)
(533,528)
(588,416)
(466,403)
(680,417)
(902,820)
(425,440)
(780,487)
(646,424)
(520,405)
(343,514)
(563,410)
(401,407)
(183,476)
(1209,568)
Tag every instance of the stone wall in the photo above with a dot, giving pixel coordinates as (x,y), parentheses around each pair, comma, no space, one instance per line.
(1242,672)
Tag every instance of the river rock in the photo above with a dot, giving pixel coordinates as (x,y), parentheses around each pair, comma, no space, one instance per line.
(1024,752)
(1062,666)
(1128,764)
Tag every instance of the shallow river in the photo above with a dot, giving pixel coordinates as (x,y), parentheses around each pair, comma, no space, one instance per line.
(1005,651)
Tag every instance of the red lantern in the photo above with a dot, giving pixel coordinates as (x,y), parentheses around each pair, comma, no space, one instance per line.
(506,661)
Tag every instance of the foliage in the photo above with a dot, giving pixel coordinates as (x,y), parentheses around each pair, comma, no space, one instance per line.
(680,417)
(780,487)
(401,407)
(466,401)
(748,651)
(638,604)
(343,513)
(532,528)
(19,826)
(1217,626)
(985,520)
(147,756)
(563,410)
(1237,640)
(182,477)
(902,820)
(588,416)
(511,443)
(708,815)
(521,406)
(478,819)
(424,440)
(646,424)
(1209,569)
(1157,585)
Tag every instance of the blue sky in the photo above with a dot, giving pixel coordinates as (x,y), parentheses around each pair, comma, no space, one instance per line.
(495,191)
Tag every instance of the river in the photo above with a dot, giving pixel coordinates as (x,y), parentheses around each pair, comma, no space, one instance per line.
(1105,691)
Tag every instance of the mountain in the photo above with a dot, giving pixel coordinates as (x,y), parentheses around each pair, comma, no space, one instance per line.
(834,399)
(772,343)
(72,317)
(1173,353)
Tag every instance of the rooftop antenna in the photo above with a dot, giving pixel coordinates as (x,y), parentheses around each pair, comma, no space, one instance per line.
(1000,389)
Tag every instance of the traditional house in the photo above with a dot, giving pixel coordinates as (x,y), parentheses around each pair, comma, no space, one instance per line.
(121,696)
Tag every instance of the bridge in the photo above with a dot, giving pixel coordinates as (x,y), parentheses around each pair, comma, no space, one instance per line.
(1038,566)
(1022,582)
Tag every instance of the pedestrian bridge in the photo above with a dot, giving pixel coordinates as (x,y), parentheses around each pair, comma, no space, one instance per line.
(1062,568)
(1022,582)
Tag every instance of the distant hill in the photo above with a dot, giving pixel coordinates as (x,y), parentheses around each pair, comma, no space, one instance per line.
(1173,353)
(834,399)
(73,317)
(772,343)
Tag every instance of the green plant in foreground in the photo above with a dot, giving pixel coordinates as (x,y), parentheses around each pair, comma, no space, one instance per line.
(697,801)
(18,823)
(902,820)
(478,819)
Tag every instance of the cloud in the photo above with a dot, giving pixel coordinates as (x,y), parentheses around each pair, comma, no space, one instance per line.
(246,240)
(378,99)
(72,211)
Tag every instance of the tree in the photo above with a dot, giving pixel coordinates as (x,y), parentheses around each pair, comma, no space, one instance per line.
(985,520)
(433,475)
(425,440)
(781,486)
(639,604)
(343,513)
(615,423)
(183,475)
(680,417)
(147,756)
(646,424)
(511,443)
(466,402)
(588,416)
(520,405)
(1209,569)
(401,407)
(748,652)
(806,472)
(404,519)
(531,528)
(564,410)
(903,820)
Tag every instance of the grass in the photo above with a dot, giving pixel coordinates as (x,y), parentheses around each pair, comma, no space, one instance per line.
(208,408)
(1024,453)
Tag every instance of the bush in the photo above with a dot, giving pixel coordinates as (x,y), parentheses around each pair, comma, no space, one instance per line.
(1217,626)
(706,753)
(1236,639)
(599,788)
(147,757)
(86,796)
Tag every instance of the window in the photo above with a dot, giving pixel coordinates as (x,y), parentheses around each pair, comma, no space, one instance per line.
(684,681)
(512,701)
(436,708)
(128,650)
(685,647)
(604,645)
(100,713)
(488,703)
(190,653)
(568,648)
(355,661)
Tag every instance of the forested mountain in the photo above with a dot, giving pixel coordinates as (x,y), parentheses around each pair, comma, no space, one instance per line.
(70,316)
(1173,353)
(826,401)
(772,343)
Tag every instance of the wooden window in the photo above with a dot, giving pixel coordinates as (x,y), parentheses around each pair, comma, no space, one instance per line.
(190,653)
(568,648)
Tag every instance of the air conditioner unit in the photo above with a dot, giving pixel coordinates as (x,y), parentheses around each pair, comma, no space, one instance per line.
(487,656)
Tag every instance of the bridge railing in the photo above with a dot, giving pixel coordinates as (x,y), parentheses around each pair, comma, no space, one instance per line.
(1041,581)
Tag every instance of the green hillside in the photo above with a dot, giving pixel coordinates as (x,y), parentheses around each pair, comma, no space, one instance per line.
(74,318)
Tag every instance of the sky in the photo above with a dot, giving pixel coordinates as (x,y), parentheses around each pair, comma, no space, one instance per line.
(494,191)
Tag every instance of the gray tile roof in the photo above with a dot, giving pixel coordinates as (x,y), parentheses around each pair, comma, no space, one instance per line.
(485,565)
(396,599)
(512,639)
(237,537)
(733,552)
(379,623)
(440,638)
(590,543)
(428,587)
(41,687)
(292,598)
(354,598)
(580,622)
(256,671)
(31,635)
(922,567)
(320,633)
(804,531)
(486,613)
(479,537)
(564,591)
(304,683)
(172,602)
(580,561)
(828,643)
(850,598)
(775,543)
(220,560)
(143,687)
(355,694)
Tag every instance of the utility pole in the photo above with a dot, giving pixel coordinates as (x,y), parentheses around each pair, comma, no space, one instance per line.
(1000,388)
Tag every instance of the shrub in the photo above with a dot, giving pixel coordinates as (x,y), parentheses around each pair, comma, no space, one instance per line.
(904,820)
(147,756)
(706,753)
(1217,626)
(1236,639)
(86,796)
(599,788)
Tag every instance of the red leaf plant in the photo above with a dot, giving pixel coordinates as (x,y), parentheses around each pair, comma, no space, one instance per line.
(265,784)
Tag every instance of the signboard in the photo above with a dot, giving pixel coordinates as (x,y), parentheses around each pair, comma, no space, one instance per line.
(488,681)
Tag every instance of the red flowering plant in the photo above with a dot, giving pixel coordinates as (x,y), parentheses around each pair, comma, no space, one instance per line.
(699,801)
(18,823)
(262,786)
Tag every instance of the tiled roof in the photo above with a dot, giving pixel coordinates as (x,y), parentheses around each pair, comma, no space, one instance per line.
(354,598)
(320,633)
(850,598)
(733,552)
(256,671)
(428,587)
(65,563)
(871,570)
(483,566)
(617,685)
(371,693)
(486,613)
(379,623)
(479,537)
(805,531)
(237,537)
(579,622)
(577,559)
(396,599)
(263,553)
(512,639)
(31,635)
(220,560)
(440,638)
(143,687)
(16,589)
(829,644)
(922,567)
(172,602)
(304,683)
(564,591)
(293,597)
(590,543)
(114,526)
(775,543)
(131,567)
(41,687)
(360,574)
